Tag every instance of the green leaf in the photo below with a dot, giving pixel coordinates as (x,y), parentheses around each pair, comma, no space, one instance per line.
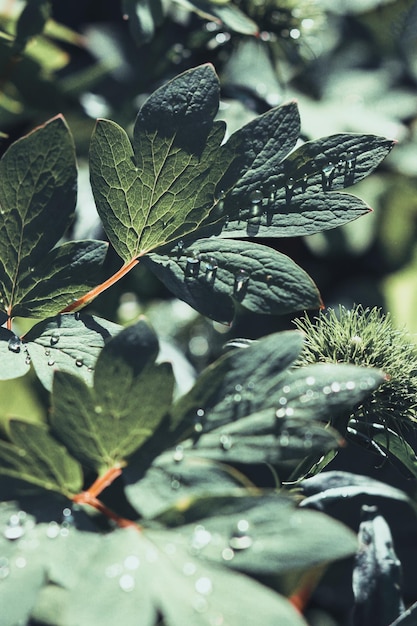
(328,488)
(34,456)
(163,187)
(255,378)
(239,383)
(131,395)
(172,478)
(261,534)
(214,275)
(21,578)
(31,22)
(152,570)
(144,16)
(298,195)
(261,438)
(38,181)
(69,342)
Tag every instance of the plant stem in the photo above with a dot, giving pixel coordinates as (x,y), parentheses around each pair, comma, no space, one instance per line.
(85,497)
(105,481)
(91,295)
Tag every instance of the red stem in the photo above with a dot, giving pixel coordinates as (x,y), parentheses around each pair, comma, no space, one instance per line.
(85,497)
(89,297)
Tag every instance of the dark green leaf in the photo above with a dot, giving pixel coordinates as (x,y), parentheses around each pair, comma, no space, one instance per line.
(328,488)
(104,425)
(212,275)
(31,22)
(163,187)
(172,478)
(69,343)
(253,379)
(38,181)
(34,456)
(240,383)
(144,16)
(262,438)
(296,196)
(260,534)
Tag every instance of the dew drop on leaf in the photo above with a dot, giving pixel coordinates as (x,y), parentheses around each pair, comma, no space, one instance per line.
(240,539)
(131,562)
(28,360)
(114,570)
(175,482)
(290,183)
(47,352)
(210,269)
(327,175)
(14,344)
(55,336)
(4,567)
(241,280)
(192,267)
(79,362)
(51,362)
(203,585)
(284,439)
(226,442)
(198,420)
(20,562)
(126,582)
(178,454)
(228,554)
(201,538)
(15,526)
(53,530)
(189,569)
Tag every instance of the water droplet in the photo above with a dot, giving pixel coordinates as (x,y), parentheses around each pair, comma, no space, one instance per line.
(272,192)
(79,362)
(114,570)
(210,269)
(131,562)
(4,567)
(350,385)
(67,518)
(127,582)
(53,530)
(350,161)
(290,183)
(14,344)
(268,280)
(240,538)
(201,538)
(310,380)
(189,569)
(178,454)
(15,526)
(20,562)
(28,360)
(179,247)
(175,482)
(51,362)
(241,280)
(284,439)
(220,195)
(192,267)
(226,442)
(200,604)
(228,554)
(203,585)
(47,352)
(55,336)
(327,175)
(198,420)
(289,189)
(335,387)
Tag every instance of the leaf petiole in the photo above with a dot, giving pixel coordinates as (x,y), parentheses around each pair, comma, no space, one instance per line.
(93,293)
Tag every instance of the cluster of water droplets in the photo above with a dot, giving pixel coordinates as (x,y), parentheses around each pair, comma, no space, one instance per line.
(206,267)
(124,572)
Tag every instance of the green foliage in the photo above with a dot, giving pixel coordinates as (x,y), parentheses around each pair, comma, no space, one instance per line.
(196,531)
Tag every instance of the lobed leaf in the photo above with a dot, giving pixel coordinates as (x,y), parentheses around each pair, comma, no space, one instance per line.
(38,181)
(34,456)
(214,276)
(69,342)
(164,186)
(297,195)
(103,425)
